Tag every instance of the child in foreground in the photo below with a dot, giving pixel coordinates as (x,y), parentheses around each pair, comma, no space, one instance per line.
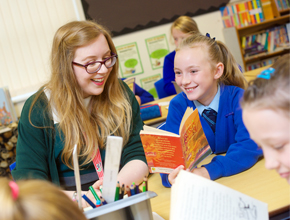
(211,81)
(36,199)
(266,115)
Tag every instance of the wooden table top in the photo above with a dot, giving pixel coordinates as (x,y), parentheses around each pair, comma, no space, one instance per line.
(257,182)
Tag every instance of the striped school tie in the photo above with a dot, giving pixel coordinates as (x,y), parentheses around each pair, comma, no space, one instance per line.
(210,116)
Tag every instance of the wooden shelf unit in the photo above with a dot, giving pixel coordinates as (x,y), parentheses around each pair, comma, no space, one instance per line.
(233,37)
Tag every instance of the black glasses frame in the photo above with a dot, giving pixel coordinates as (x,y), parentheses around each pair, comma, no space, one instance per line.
(101,62)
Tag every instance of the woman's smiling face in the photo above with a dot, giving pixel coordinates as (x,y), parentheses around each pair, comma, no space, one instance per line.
(97,50)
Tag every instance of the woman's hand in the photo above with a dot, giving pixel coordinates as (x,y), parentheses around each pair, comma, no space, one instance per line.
(174,173)
(89,194)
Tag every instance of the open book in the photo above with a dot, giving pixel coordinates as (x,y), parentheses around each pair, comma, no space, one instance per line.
(195,197)
(165,151)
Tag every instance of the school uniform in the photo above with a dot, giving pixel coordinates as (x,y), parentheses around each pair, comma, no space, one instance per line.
(39,149)
(230,136)
(169,74)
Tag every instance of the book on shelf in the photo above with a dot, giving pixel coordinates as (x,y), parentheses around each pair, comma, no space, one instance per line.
(7,110)
(282,4)
(243,13)
(130,81)
(165,150)
(264,62)
(267,9)
(195,197)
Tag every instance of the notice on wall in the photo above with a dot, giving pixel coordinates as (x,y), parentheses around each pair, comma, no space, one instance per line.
(157,48)
(129,60)
(148,84)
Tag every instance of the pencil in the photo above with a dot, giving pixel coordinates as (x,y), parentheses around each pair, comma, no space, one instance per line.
(117,191)
(128,191)
(121,192)
(146,182)
(94,193)
(103,200)
(132,190)
(89,201)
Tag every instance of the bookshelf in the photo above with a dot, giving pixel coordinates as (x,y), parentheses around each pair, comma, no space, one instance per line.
(234,37)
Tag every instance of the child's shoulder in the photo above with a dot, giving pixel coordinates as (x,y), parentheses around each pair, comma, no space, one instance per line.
(230,90)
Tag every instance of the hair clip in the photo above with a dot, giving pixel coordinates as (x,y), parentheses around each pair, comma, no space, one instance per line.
(266,74)
(15,189)
(208,35)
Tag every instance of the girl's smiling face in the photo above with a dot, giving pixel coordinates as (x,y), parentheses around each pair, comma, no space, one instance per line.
(195,75)
(97,50)
(271,131)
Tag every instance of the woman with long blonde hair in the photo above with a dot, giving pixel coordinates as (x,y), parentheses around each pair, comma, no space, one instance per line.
(83,103)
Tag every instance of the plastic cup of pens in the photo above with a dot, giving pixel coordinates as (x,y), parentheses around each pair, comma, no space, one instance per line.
(131,202)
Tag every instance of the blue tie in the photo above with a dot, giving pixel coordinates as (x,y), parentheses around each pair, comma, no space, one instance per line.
(210,116)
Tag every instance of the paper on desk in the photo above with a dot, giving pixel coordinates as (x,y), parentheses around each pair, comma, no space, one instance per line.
(111,169)
(163,103)
(194,197)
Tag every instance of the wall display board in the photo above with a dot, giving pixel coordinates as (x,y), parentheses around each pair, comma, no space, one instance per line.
(148,84)
(129,60)
(157,48)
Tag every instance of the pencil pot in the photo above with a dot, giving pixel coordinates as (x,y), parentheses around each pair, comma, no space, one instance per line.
(136,207)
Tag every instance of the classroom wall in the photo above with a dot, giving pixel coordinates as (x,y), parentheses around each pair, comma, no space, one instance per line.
(211,23)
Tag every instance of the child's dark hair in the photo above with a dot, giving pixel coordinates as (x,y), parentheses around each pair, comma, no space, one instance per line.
(217,52)
(273,93)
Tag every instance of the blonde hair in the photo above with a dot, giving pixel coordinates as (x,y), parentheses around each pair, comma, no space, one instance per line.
(217,52)
(185,24)
(37,199)
(271,93)
(111,111)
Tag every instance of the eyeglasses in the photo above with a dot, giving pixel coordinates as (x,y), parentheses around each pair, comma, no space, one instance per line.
(94,67)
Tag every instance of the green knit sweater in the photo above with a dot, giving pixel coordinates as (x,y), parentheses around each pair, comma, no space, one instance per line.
(35,158)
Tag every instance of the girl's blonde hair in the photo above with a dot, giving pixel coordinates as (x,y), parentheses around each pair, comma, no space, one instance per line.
(36,199)
(217,52)
(185,24)
(273,93)
(110,112)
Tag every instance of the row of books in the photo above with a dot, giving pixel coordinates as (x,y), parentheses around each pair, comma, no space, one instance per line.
(282,4)
(261,63)
(242,14)
(268,41)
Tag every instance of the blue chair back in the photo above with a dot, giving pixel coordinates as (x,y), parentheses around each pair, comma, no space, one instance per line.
(159,86)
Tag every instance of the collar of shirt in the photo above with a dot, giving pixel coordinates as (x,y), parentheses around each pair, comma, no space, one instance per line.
(213,105)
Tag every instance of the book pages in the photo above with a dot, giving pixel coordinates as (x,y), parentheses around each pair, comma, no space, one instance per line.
(195,197)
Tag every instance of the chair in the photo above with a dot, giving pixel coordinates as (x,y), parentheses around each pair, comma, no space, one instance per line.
(159,86)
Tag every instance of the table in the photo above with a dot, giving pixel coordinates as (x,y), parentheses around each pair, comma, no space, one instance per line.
(164,110)
(257,182)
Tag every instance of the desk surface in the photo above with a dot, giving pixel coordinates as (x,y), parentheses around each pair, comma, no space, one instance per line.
(164,110)
(257,182)
(250,75)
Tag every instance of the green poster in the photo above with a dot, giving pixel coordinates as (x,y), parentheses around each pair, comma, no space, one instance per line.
(148,84)
(129,60)
(157,48)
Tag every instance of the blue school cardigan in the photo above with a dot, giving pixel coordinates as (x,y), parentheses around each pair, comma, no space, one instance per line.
(231,135)
(169,74)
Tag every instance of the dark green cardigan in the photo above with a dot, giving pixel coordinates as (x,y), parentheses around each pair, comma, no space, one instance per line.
(35,146)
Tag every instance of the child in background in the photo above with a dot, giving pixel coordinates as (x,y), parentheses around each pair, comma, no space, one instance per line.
(266,115)
(180,29)
(35,199)
(211,81)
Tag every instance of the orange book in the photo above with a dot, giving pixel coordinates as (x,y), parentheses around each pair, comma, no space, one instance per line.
(165,151)
(267,9)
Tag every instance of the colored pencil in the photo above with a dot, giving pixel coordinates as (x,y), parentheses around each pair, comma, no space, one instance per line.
(144,187)
(146,182)
(94,193)
(132,190)
(103,200)
(128,191)
(98,204)
(89,201)
(117,191)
